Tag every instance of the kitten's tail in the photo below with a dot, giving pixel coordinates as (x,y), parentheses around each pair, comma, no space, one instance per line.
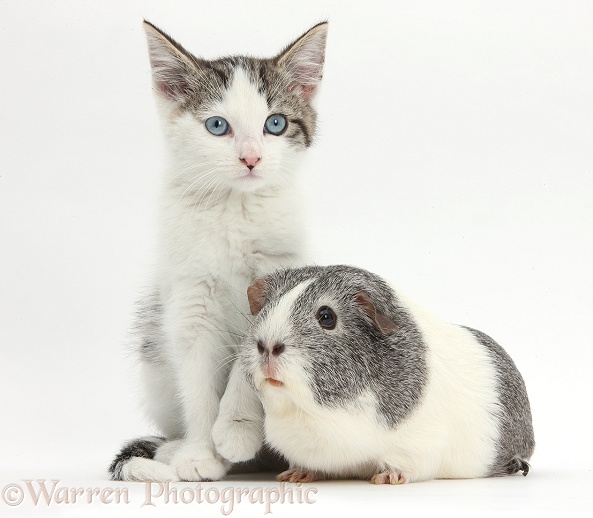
(135,462)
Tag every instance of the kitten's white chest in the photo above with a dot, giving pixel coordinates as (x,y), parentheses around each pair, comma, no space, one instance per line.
(237,239)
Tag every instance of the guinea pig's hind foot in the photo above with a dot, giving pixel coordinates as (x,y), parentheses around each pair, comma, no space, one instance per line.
(299,475)
(515,465)
(390,476)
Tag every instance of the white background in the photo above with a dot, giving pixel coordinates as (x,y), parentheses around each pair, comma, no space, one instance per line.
(455,157)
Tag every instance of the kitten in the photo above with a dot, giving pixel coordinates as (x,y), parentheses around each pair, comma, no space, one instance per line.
(236,129)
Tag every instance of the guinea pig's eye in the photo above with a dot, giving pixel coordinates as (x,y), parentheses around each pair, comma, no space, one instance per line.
(217,126)
(326,317)
(275,124)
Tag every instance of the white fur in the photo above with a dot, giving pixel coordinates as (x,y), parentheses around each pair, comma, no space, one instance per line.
(451,434)
(139,469)
(461,403)
(277,322)
(220,231)
(238,431)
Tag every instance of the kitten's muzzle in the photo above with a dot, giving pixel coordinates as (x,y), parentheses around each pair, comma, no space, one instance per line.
(250,161)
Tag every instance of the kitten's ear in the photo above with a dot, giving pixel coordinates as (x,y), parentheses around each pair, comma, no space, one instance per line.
(171,64)
(385,324)
(303,61)
(255,294)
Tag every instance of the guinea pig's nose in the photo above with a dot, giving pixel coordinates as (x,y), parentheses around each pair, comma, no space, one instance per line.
(275,349)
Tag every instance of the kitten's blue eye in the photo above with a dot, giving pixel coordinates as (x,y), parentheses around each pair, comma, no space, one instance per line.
(217,126)
(275,124)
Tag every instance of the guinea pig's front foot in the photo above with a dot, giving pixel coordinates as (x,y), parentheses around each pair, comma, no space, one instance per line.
(390,476)
(299,475)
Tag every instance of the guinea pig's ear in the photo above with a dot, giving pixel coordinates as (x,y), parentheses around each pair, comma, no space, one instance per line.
(382,321)
(255,294)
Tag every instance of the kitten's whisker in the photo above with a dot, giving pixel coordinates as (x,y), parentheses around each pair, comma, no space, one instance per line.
(238,310)
(199,178)
(227,361)
(219,182)
(240,335)
(212,177)
(205,189)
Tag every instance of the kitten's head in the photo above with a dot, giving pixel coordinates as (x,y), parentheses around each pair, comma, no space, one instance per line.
(237,122)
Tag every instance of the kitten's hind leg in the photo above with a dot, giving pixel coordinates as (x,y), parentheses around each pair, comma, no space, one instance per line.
(135,462)
(202,359)
(161,399)
(167,450)
(147,470)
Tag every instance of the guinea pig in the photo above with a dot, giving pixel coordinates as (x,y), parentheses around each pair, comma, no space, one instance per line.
(351,379)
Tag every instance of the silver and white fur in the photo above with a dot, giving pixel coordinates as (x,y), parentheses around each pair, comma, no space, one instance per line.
(230,214)
(391,394)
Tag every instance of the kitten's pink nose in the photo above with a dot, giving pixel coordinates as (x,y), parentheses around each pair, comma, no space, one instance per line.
(250,161)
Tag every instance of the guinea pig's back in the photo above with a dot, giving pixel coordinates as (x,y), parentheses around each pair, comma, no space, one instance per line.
(516,442)
(461,399)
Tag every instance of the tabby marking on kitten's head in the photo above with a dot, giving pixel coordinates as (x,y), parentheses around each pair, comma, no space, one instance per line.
(237,122)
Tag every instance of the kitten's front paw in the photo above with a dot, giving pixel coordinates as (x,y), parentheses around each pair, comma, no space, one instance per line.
(390,476)
(195,463)
(238,439)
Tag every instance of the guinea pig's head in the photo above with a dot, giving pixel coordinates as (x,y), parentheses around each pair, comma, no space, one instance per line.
(320,334)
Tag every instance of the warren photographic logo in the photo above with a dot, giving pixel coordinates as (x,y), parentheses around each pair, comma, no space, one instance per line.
(48,493)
